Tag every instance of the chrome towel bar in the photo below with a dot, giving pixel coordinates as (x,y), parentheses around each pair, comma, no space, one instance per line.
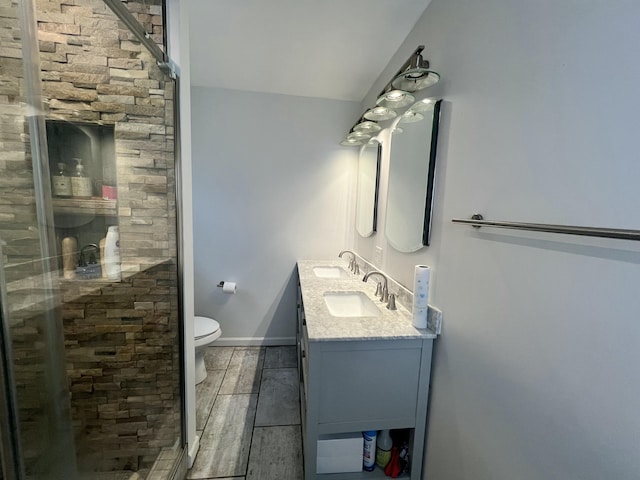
(478,221)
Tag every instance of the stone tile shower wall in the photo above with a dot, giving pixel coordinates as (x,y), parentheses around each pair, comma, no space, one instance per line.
(121,339)
(19,235)
(18,223)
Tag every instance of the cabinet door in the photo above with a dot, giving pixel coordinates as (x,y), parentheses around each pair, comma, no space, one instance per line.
(368,381)
(299,325)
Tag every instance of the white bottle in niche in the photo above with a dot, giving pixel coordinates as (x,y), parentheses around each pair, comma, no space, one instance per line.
(80,183)
(112,253)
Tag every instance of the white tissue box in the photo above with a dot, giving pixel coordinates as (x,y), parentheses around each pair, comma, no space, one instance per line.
(340,453)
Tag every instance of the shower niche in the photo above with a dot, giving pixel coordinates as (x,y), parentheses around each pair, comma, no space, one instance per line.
(81,150)
(83,193)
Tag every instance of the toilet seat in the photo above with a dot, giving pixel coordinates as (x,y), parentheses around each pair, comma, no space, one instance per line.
(205,330)
(203,326)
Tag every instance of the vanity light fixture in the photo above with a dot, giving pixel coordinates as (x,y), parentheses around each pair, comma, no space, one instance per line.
(412,76)
(352,142)
(380,113)
(411,117)
(395,99)
(423,105)
(356,138)
(415,75)
(359,135)
(367,126)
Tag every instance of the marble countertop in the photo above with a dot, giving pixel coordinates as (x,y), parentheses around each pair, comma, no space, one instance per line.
(322,326)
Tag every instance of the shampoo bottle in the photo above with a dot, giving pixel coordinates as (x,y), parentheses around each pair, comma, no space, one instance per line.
(69,257)
(112,253)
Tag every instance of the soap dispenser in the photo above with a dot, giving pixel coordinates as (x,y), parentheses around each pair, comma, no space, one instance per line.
(80,183)
(61,183)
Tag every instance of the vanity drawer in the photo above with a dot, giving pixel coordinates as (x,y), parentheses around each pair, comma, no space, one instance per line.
(304,359)
(303,414)
(299,354)
(368,382)
(302,319)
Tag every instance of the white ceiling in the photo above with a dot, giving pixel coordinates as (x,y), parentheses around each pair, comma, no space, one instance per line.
(314,48)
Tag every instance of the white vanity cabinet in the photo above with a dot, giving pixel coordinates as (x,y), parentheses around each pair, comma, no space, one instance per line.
(353,385)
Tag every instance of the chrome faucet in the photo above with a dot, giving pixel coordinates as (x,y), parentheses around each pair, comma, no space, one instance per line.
(384,296)
(353,266)
(392,302)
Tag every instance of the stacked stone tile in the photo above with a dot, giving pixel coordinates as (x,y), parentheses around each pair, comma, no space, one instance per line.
(19,235)
(121,339)
(18,223)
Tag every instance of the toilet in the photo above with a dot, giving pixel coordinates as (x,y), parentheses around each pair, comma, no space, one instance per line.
(206,331)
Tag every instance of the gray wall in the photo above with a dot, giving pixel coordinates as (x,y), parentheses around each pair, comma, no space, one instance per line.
(271,185)
(536,373)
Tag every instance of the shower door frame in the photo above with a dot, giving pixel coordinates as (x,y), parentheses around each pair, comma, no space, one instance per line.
(168,67)
(12,463)
(10,456)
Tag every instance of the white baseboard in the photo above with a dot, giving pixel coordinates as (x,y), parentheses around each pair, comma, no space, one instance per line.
(193,450)
(253,341)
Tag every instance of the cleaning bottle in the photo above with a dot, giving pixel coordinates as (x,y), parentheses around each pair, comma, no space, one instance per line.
(383,448)
(368,455)
(112,253)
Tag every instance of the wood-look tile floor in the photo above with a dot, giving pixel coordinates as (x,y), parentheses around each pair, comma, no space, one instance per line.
(248,415)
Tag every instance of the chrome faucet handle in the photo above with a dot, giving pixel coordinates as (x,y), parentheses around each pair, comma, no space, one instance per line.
(384,295)
(352,261)
(356,269)
(392,302)
(378,289)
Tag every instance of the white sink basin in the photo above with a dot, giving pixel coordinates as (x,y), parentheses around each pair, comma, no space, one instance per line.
(350,304)
(330,272)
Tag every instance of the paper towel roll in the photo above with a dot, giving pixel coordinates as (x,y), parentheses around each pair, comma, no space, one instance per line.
(421,278)
(419,319)
(229,287)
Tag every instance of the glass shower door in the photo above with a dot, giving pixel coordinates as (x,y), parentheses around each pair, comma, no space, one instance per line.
(90,294)
(35,397)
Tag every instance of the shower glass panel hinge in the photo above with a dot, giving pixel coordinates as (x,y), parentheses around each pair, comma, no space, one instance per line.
(169,68)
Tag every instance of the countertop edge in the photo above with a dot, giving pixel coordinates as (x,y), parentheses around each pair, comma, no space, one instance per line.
(323,327)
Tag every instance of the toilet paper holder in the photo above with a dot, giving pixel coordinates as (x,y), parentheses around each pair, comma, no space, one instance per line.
(227,287)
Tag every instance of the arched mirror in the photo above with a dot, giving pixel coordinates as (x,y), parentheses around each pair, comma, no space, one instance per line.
(412,168)
(367,193)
